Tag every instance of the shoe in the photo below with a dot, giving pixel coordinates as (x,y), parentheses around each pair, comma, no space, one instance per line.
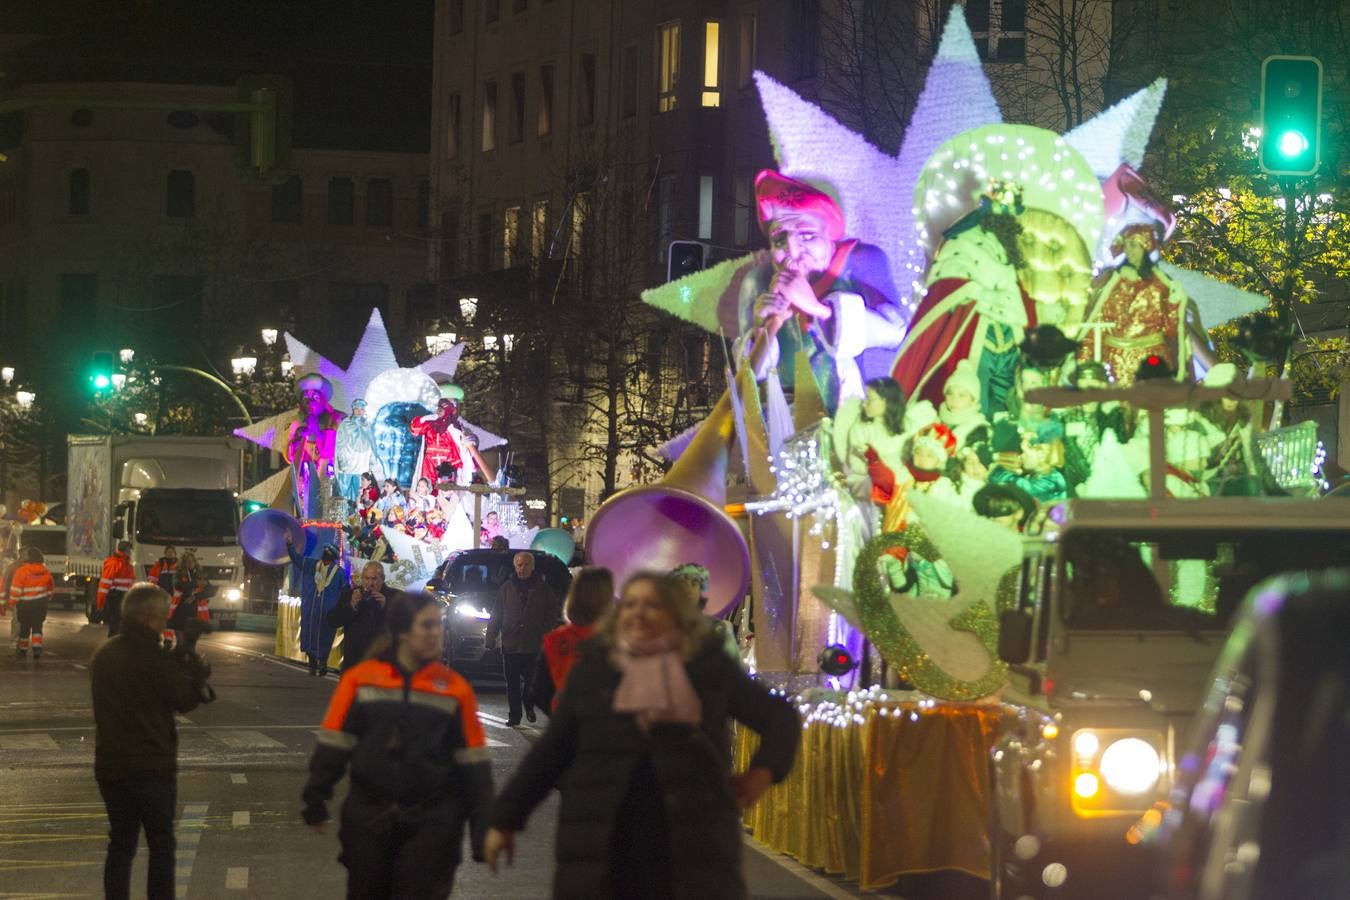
(529,716)
(323,671)
(512,723)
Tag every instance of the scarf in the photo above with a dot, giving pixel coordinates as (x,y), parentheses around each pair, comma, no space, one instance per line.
(923,476)
(653,683)
(324,573)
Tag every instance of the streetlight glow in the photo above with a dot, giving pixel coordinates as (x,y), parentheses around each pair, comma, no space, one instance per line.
(25,399)
(7,374)
(269,336)
(508,341)
(489,341)
(244,365)
(118,380)
(140,418)
(286,365)
(468,307)
(126,355)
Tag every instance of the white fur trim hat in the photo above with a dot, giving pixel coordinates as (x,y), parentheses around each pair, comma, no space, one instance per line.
(964,378)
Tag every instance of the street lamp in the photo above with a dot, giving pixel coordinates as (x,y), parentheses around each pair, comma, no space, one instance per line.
(468,307)
(286,365)
(140,419)
(489,341)
(118,381)
(126,355)
(25,399)
(508,341)
(269,336)
(441,342)
(7,375)
(243,365)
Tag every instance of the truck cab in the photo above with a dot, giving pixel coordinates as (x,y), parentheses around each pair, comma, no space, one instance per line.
(1122,609)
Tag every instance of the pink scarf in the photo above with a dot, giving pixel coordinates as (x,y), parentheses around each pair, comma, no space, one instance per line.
(653,684)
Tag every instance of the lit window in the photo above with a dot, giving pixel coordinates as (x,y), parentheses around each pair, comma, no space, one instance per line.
(581,207)
(705,207)
(489,116)
(668,78)
(539,230)
(510,237)
(712,32)
(544,125)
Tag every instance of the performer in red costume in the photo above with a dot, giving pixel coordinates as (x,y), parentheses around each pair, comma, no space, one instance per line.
(443,438)
(973,307)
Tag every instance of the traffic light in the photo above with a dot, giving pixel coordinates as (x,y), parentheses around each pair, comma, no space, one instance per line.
(1153,366)
(685,258)
(1291,115)
(101,369)
(252,506)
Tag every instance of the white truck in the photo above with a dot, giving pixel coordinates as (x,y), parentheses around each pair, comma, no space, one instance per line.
(154,491)
(1121,613)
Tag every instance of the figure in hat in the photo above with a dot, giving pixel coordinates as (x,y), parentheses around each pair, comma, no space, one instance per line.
(1141,311)
(960,410)
(311,443)
(827,296)
(1087,423)
(355,452)
(447,452)
(322,582)
(973,306)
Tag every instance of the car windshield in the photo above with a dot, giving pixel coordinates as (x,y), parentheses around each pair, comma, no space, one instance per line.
(51,543)
(1181,580)
(467,576)
(197,518)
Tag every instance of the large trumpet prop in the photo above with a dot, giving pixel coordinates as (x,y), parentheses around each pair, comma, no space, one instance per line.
(680,519)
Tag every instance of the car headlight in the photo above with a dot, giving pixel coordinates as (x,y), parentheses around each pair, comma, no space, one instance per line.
(1130,766)
(233,595)
(468,610)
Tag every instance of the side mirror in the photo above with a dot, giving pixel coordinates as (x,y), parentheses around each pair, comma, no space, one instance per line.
(1014,636)
(119,529)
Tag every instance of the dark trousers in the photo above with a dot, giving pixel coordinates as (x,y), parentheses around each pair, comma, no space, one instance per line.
(139,801)
(516,668)
(31,614)
(112,612)
(402,860)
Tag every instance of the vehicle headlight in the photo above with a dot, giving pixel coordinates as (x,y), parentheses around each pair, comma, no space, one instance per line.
(233,595)
(1130,766)
(468,610)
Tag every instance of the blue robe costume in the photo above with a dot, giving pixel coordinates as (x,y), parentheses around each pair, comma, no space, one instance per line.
(316,637)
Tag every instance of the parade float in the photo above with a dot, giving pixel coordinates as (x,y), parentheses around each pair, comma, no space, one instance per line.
(941,352)
(380,465)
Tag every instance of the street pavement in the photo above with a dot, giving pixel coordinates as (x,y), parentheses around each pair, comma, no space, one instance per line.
(242,765)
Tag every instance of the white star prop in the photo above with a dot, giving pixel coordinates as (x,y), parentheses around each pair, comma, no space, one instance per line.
(374,355)
(1216,301)
(1119,134)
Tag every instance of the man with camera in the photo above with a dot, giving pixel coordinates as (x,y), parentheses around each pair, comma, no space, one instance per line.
(361,616)
(137,688)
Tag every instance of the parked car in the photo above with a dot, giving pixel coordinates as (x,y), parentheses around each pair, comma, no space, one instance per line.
(467,585)
(1261,805)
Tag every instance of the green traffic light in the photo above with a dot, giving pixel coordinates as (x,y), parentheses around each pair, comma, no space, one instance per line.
(102,381)
(1293,143)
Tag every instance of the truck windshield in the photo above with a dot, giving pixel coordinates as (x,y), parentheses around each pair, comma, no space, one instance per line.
(198,518)
(1181,580)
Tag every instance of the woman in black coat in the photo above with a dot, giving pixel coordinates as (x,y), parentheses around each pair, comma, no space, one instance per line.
(639,747)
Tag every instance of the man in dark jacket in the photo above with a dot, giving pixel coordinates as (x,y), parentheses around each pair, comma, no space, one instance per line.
(527,609)
(137,688)
(360,615)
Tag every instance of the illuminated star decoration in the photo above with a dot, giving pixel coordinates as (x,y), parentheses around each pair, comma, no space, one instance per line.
(374,355)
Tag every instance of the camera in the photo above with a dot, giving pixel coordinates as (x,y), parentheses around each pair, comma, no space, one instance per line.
(186,654)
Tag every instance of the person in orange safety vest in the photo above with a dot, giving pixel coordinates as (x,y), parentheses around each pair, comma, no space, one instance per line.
(590,597)
(30,590)
(115,581)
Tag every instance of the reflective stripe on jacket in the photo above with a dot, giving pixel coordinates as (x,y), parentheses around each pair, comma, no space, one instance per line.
(117,576)
(31,581)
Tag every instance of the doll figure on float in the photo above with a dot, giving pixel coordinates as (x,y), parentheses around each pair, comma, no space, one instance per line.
(448,455)
(824,295)
(311,443)
(1139,310)
(355,452)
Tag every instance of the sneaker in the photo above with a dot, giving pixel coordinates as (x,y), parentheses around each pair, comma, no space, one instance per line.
(512,723)
(529,716)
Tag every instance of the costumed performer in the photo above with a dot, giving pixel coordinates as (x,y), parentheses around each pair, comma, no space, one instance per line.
(355,453)
(311,443)
(877,421)
(830,297)
(1087,423)
(447,453)
(960,410)
(322,582)
(1140,311)
(973,306)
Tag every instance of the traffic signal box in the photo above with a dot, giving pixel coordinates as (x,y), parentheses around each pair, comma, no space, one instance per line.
(101,369)
(1291,115)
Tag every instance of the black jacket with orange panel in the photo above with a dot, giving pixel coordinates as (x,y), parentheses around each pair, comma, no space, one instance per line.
(414,746)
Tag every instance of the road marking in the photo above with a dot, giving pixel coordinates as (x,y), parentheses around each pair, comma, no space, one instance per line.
(41,741)
(240,819)
(238,778)
(236,878)
(182,720)
(78,666)
(492,743)
(190,826)
(245,738)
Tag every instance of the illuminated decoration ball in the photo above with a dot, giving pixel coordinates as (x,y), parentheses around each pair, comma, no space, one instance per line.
(556,543)
(836,660)
(1053,177)
(401,386)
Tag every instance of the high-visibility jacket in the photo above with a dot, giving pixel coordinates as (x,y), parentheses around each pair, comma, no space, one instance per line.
(117,576)
(31,581)
(161,573)
(561,651)
(415,748)
(187,589)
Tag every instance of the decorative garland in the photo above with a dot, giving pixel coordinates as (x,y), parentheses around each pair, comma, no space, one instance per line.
(899,647)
